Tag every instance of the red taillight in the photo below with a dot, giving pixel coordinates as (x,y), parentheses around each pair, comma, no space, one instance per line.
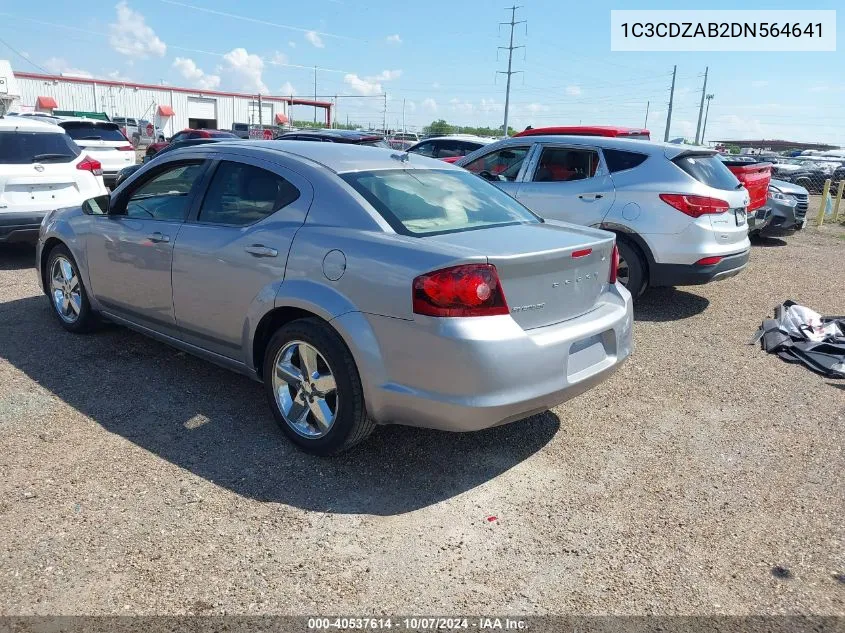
(582,253)
(695,206)
(126,148)
(614,264)
(460,291)
(708,261)
(89,164)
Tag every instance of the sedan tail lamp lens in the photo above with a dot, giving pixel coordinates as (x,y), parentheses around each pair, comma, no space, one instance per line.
(89,164)
(126,148)
(708,261)
(614,264)
(695,206)
(460,291)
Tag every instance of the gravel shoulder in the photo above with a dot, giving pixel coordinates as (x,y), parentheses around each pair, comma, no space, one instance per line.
(704,477)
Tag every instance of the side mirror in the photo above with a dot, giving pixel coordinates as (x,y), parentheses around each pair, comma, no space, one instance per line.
(491,177)
(97,206)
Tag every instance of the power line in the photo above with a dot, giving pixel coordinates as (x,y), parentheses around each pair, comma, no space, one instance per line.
(22,56)
(510,48)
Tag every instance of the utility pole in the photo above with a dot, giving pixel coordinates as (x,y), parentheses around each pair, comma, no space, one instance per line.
(701,107)
(671,100)
(403,115)
(315,94)
(510,49)
(706,112)
(384,115)
(260,113)
(647,103)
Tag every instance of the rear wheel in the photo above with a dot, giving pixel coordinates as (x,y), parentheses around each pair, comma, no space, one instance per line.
(314,388)
(631,271)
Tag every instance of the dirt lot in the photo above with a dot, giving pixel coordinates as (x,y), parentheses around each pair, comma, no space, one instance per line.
(704,477)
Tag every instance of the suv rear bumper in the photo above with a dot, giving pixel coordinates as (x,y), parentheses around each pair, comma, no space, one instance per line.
(20,227)
(694,275)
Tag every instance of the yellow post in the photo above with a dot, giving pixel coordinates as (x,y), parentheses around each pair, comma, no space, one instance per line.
(823,204)
(838,200)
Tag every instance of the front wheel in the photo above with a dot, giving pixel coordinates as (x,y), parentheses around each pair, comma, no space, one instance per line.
(67,292)
(314,389)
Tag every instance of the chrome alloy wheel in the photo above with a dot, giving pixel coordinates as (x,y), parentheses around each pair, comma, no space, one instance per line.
(305,389)
(65,290)
(623,271)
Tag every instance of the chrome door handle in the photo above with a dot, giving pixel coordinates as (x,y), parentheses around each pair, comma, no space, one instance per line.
(158,237)
(259,250)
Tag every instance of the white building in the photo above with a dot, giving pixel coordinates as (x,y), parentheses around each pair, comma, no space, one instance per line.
(168,107)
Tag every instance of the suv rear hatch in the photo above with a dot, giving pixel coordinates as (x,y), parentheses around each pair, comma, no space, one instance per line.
(549,272)
(103,141)
(755,177)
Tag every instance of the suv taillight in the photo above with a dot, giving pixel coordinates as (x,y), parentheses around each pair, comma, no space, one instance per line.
(614,264)
(89,164)
(460,291)
(126,148)
(695,206)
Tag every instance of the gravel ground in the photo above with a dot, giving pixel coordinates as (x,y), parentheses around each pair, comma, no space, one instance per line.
(705,477)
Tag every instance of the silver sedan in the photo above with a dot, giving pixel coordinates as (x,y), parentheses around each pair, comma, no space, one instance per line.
(362,286)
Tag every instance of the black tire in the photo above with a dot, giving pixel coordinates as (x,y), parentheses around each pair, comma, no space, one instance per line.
(631,256)
(351,423)
(86,320)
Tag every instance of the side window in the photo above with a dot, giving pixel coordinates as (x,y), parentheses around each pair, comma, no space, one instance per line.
(618,160)
(503,164)
(564,165)
(179,136)
(242,194)
(450,149)
(425,149)
(165,196)
(468,147)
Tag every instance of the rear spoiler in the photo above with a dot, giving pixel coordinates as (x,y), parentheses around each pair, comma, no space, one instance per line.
(680,151)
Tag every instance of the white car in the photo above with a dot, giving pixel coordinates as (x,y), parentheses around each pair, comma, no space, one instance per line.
(103,141)
(41,169)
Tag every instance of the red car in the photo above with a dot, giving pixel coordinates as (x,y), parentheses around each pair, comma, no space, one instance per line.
(184,135)
(590,130)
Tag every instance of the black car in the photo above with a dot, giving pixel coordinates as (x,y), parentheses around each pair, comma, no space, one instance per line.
(353,137)
(124,173)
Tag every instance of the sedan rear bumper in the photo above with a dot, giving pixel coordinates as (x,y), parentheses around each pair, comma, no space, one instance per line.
(466,374)
(694,274)
(20,227)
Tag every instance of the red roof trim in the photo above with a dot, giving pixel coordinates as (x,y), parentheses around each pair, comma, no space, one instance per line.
(165,110)
(192,91)
(47,103)
(586,130)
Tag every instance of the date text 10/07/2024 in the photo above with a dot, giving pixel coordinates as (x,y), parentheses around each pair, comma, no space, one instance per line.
(418,624)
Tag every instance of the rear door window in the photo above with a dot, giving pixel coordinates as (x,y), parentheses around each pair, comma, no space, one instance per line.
(707,169)
(619,160)
(36,147)
(561,164)
(425,149)
(166,195)
(503,164)
(89,132)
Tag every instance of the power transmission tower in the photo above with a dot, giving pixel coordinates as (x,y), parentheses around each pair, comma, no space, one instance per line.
(510,49)
(701,107)
(706,113)
(671,101)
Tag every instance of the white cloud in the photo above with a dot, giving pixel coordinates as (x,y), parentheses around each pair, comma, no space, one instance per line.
(60,66)
(393,39)
(116,75)
(279,59)
(491,105)
(244,70)
(411,106)
(287,89)
(370,85)
(292,44)
(534,108)
(131,36)
(314,39)
(429,105)
(573,91)
(461,106)
(198,78)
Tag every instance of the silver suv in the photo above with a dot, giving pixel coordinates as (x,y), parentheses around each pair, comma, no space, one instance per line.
(679,214)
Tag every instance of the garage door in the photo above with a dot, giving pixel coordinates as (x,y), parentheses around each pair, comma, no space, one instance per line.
(202,108)
(266,113)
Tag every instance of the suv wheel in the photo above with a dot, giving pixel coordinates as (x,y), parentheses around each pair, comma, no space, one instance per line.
(314,388)
(631,271)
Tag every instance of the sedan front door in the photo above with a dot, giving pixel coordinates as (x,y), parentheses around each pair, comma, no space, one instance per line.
(568,183)
(231,253)
(130,250)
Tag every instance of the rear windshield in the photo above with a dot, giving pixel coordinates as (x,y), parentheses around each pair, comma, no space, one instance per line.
(709,170)
(428,202)
(219,134)
(377,143)
(90,132)
(36,147)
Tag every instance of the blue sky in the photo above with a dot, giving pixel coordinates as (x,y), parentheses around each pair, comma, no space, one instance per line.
(440,58)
